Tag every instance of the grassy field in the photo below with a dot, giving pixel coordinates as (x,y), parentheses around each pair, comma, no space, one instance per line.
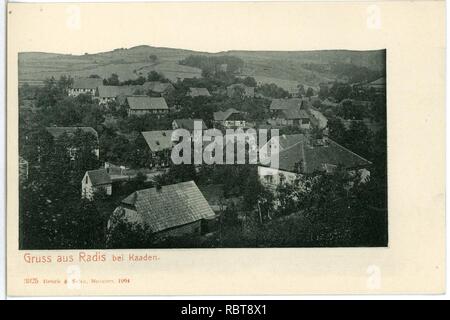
(285,69)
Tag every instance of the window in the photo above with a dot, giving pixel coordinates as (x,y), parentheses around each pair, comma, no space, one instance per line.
(268,178)
(86,179)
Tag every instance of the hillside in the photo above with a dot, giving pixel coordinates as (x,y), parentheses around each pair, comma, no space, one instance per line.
(286,69)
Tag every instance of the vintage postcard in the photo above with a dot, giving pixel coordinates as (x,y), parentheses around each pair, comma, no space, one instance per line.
(225,148)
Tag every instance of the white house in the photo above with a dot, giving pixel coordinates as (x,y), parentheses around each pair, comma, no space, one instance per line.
(231,118)
(300,155)
(84,86)
(95,181)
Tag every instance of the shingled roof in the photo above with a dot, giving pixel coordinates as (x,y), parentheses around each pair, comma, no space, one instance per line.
(115,91)
(158,140)
(295,113)
(99,177)
(224,115)
(56,132)
(170,206)
(188,124)
(298,148)
(291,103)
(147,103)
(196,92)
(86,83)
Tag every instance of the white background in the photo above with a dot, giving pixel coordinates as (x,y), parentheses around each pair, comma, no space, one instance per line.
(3,190)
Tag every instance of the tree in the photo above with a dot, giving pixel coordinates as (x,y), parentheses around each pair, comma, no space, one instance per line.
(323,91)
(336,130)
(155,76)
(249,82)
(301,90)
(153,58)
(113,80)
(309,92)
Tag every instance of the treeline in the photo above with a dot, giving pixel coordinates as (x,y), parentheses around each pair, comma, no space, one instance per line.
(353,72)
(114,80)
(213,64)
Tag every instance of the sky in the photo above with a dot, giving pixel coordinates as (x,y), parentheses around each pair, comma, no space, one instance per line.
(212,27)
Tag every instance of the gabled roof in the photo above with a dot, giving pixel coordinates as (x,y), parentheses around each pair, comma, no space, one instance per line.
(196,92)
(56,132)
(147,103)
(283,104)
(157,86)
(224,115)
(296,149)
(170,206)
(158,140)
(295,113)
(115,91)
(99,177)
(86,83)
(188,124)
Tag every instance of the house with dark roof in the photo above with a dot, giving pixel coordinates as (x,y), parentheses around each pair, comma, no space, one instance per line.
(106,94)
(160,145)
(142,105)
(84,86)
(230,118)
(95,181)
(240,90)
(198,92)
(188,124)
(291,117)
(167,211)
(300,155)
(291,112)
(158,87)
(57,132)
(291,103)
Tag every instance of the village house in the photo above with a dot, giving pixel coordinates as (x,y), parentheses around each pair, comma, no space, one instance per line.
(160,144)
(142,105)
(290,112)
(107,94)
(198,92)
(84,86)
(157,87)
(167,211)
(291,117)
(187,124)
(95,181)
(58,132)
(231,118)
(240,90)
(300,155)
(290,103)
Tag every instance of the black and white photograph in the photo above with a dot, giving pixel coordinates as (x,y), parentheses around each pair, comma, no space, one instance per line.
(155,147)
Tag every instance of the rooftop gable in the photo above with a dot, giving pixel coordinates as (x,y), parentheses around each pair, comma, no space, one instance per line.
(158,140)
(86,83)
(170,206)
(147,103)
